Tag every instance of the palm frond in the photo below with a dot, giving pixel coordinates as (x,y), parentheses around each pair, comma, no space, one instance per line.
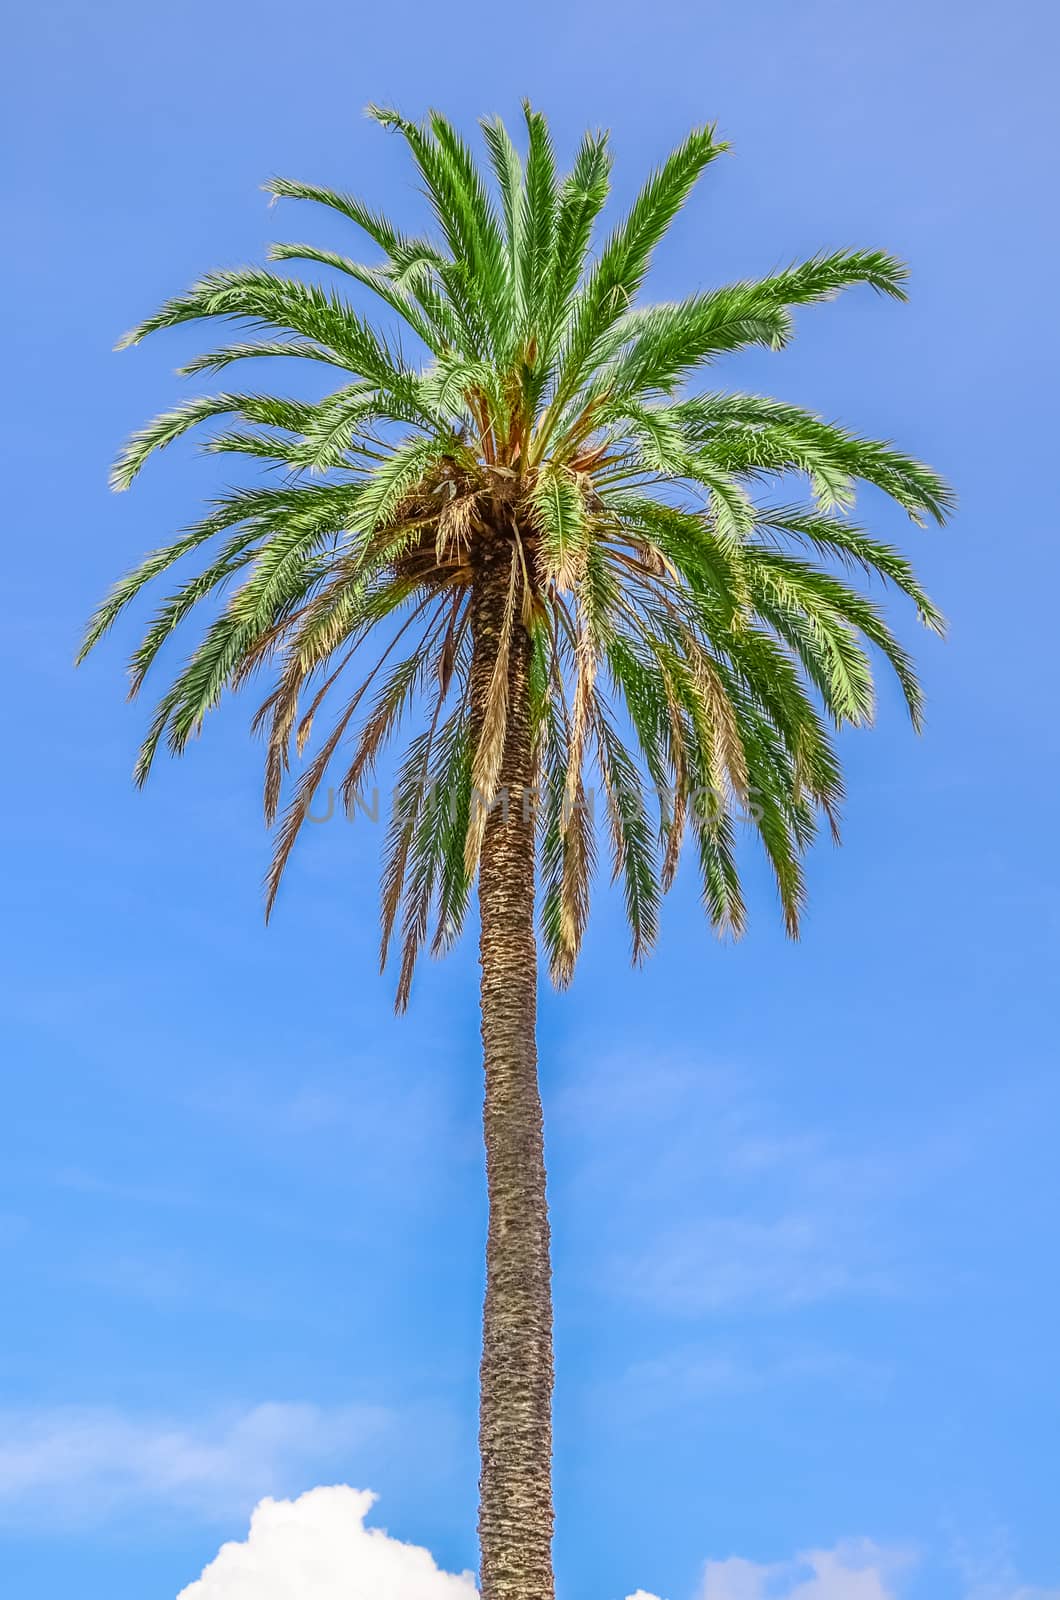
(692,640)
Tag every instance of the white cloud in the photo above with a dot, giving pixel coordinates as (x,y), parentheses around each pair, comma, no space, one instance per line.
(318,1548)
(852,1570)
(72,1463)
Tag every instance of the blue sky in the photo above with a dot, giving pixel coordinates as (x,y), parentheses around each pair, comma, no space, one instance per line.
(805,1198)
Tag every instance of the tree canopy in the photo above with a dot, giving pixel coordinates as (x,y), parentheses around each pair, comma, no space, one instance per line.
(684,558)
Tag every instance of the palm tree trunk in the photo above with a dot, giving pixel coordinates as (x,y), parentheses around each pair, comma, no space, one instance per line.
(515,1427)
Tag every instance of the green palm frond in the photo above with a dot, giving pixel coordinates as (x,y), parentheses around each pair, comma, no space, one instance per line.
(694,639)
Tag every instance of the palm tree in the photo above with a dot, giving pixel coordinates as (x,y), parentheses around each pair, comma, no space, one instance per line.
(565,570)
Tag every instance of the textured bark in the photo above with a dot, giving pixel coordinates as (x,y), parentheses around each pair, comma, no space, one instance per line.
(515,1429)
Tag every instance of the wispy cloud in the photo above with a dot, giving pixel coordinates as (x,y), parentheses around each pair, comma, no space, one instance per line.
(775,1214)
(852,1570)
(75,1464)
(989,1571)
(693,1374)
(744,1261)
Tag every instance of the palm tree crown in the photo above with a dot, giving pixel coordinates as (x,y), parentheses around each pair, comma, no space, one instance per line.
(691,638)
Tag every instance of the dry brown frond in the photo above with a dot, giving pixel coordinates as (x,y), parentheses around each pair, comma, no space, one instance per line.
(454,527)
(577,872)
(675,831)
(728,756)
